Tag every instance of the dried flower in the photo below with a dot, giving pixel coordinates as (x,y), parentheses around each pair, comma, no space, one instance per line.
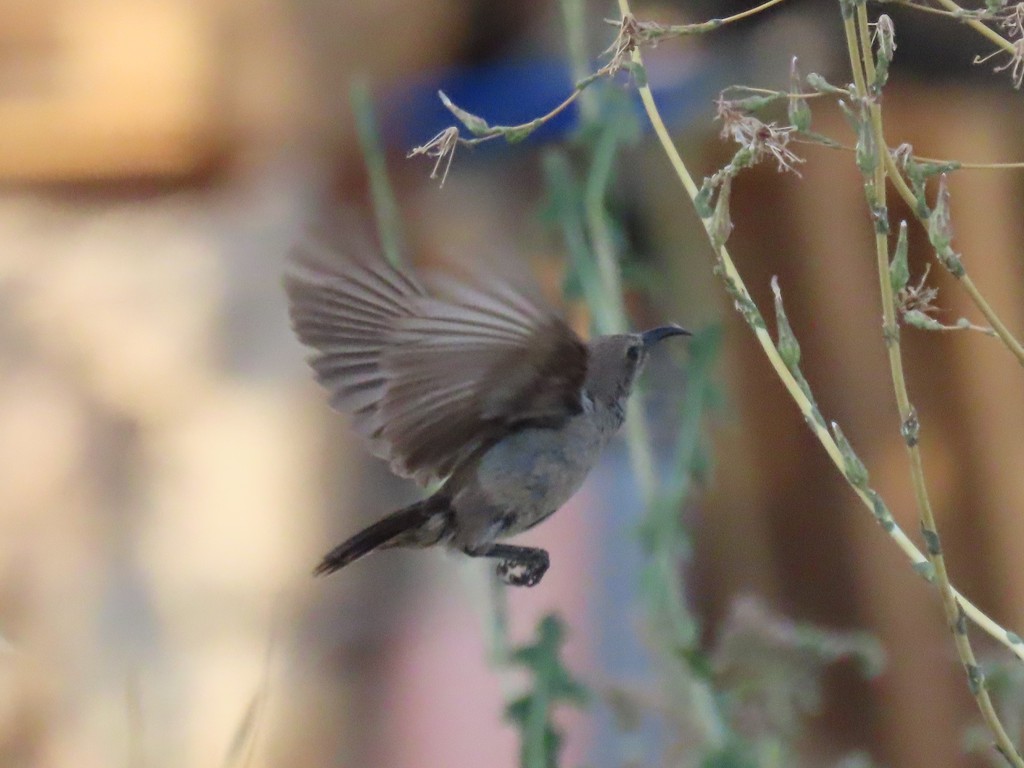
(916,305)
(633,33)
(918,298)
(885,36)
(623,45)
(1015,64)
(442,147)
(1012,21)
(762,139)
(903,154)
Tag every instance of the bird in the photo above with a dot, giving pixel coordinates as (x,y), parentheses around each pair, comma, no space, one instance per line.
(472,384)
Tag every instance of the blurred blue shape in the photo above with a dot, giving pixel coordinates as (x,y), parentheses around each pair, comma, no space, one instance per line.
(515,91)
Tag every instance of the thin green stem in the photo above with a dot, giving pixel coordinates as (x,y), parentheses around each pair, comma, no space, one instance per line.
(602,241)
(535,752)
(973,166)
(849,27)
(960,165)
(573,16)
(859,46)
(750,12)
(924,9)
(993,319)
(963,15)
(497,131)
(385,207)
(657,33)
(774,92)
(979,27)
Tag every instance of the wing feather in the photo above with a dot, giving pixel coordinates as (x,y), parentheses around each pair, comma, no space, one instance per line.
(344,309)
(430,378)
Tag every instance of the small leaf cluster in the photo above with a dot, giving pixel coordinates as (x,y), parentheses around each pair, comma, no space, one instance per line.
(552,684)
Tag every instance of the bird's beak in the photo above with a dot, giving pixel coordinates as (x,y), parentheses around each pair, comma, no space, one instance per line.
(653,336)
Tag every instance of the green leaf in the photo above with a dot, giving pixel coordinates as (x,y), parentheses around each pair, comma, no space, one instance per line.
(475,125)
(885,34)
(799,113)
(918,319)
(518,710)
(732,755)
(899,271)
(940,231)
(925,570)
(821,85)
(703,200)
(932,542)
(756,103)
(517,133)
(820,138)
(788,346)
(881,511)
(721,222)
(866,154)
(855,470)
(551,684)
(797,109)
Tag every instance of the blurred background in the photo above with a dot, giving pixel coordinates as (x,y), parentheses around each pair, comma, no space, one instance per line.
(169,473)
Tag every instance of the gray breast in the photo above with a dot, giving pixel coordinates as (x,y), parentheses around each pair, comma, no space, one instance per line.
(534,472)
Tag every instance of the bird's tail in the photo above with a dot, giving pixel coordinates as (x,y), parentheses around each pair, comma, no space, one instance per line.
(428,516)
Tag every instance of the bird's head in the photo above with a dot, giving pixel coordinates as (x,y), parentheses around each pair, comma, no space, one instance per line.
(614,362)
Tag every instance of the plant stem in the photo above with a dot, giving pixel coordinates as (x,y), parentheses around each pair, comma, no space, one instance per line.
(385,208)
(979,27)
(729,272)
(862,63)
(751,11)
(573,15)
(993,319)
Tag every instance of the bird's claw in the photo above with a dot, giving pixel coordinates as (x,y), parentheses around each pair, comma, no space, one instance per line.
(526,571)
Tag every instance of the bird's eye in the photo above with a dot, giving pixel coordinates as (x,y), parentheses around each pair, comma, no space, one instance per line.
(633,353)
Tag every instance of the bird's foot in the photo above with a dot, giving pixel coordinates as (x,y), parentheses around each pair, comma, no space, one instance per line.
(526,570)
(517,566)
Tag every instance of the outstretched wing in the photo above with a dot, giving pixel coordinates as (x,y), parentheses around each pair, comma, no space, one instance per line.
(427,378)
